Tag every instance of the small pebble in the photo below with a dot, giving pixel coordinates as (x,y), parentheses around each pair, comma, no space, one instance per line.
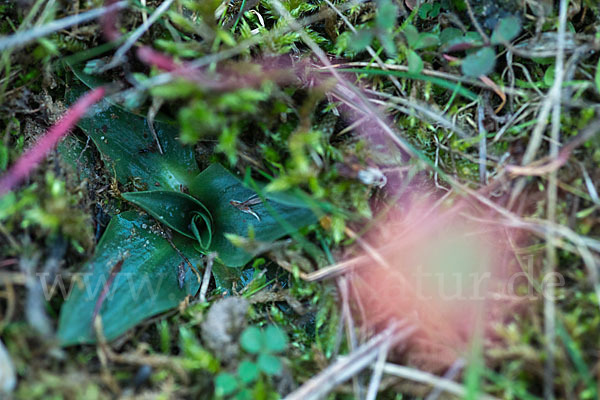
(142,376)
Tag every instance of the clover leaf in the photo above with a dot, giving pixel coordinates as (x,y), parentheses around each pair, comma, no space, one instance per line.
(480,63)
(252,340)
(275,339)
(506,30)
(225,384)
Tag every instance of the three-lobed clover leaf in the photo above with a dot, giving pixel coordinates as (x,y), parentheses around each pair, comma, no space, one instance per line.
(265,344)
(262,343)
(483,61)
(416,41)
(419,40)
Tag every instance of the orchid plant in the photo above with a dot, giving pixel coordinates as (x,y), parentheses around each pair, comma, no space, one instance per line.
(147,260)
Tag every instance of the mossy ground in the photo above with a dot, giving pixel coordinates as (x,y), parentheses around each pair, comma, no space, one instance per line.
(290,126)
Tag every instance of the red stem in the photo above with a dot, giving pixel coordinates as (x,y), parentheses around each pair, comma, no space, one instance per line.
(32,157)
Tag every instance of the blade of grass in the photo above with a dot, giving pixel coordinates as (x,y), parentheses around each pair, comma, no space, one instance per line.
(598,76)
(572,350)
(239,16)
(502,381)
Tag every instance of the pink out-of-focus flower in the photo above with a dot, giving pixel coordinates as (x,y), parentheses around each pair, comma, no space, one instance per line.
(444,269)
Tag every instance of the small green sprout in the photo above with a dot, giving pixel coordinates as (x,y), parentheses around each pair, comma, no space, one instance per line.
(385,21)
(263,347)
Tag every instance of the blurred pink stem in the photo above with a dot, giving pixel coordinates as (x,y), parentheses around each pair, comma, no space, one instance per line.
(32,157)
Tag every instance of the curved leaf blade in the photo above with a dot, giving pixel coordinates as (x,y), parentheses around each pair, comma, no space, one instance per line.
(145,285)
(130,151)
(179,211)
(215,187)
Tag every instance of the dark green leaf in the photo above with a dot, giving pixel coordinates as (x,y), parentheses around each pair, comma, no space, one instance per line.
(145,283)
(245,394)
(549,76)
(247,371)
(179,211)
(415,64)
(93,81)
(282,214)
(473,37)
(73,151)
(424,10)
(387,13)
(130,151)
(449,34)
(479,63)
(506,30)
(269,364)
(276,340)
(225,384)
(361,40)
(252,340)
(388,44)
(426,40)
(411,34)
(226,277)
(435,11)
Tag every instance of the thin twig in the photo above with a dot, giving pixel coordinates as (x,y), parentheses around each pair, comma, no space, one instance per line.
(409,106)
(187,261)
(119,56)
(22,38)
(346,367)
(370,250)
(152,111)
(206,278)
(137,358)
(350,333)
(482,144)
(432,73)
(549,290)
(416,375)
(452,372)
(486,39)
(378,371)
(548,105)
